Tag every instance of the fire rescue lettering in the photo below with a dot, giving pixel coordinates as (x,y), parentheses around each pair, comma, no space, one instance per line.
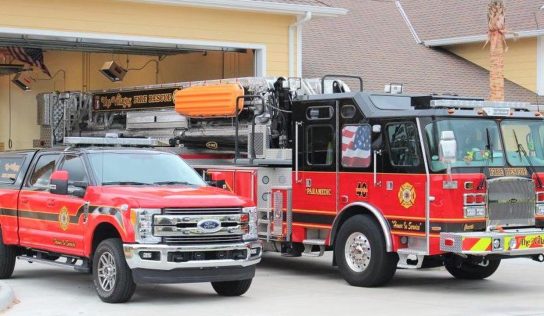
(407,195)
(316,191)
(508,172)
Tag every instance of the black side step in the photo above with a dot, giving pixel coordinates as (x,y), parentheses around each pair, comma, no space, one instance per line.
(71,262)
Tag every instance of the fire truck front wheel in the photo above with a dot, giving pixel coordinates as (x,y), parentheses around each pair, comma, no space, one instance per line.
(466,270)
(232,288)
(7,259)
(361,254)
(111,275)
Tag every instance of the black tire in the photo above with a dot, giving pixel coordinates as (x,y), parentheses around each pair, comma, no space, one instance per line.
(7,259)
(113,263)
(363,269)
(465,270)
(232,288)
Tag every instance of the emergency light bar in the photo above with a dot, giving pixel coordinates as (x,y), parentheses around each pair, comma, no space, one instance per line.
(473,104)
(111,141)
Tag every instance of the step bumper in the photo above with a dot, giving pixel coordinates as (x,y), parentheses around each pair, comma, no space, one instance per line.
(516,242)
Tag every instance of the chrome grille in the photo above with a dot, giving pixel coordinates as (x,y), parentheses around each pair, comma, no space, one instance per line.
(181,226)
(511,202)
(201,211)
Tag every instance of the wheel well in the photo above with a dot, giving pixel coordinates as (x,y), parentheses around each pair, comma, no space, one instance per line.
(102,232)
(350,212)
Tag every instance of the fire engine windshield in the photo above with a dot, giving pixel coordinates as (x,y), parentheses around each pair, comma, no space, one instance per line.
(523,141)
(478,142)
(119,168)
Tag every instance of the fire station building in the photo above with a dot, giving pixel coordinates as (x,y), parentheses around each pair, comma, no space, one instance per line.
(139,42)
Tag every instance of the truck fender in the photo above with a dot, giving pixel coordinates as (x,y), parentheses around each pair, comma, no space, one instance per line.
(91,230)
(363,208)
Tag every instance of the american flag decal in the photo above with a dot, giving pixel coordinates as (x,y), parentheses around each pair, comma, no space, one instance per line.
(31,56)
(356,146)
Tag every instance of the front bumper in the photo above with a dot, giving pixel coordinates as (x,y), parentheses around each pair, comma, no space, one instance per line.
(513,242)
(196,263)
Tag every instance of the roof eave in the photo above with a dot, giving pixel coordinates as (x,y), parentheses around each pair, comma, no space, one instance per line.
(478,38)
(253,6)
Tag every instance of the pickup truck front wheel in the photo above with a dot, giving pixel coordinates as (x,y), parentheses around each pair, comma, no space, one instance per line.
(232,288)
(7,259)
(111,275)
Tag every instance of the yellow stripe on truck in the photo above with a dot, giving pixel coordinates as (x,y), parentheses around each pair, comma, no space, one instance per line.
(482,244)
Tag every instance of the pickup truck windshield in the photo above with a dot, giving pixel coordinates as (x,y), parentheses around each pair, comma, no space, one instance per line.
(523,139)
(473,147)
(142,169)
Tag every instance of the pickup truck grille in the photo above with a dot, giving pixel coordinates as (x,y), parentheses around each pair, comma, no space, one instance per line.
(511,202)
(200,226)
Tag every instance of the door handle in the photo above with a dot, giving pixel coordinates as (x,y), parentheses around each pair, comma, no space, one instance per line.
(24,200)
(50,203)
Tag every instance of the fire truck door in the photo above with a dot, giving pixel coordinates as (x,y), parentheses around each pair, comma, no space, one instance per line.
(315,185)
(49,221)
(403,178)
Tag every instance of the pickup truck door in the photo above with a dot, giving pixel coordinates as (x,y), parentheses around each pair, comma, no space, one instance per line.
(49,221)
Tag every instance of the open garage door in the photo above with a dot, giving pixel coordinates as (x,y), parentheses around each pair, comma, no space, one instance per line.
(75,60)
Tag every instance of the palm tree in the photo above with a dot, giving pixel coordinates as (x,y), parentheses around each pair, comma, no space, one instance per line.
(497,40)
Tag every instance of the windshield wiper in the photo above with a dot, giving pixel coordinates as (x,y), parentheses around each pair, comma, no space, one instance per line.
(172,183)
(125,183)
(488,149)
(521,150)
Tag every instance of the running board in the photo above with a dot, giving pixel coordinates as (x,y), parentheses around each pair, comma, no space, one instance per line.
(309,245)
(83,267)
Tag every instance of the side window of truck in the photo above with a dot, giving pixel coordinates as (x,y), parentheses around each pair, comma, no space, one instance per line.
(76,169)
(10,167)
(43,169)
(320,145)
(403,144)
(356,141)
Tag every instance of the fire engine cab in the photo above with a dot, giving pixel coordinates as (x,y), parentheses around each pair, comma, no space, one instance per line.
(385,181)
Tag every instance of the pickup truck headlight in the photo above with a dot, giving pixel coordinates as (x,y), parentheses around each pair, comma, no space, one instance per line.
(252,223)
(142,221)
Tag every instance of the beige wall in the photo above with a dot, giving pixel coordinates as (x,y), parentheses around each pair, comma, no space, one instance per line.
(130,18)
(183,67)
(520,60)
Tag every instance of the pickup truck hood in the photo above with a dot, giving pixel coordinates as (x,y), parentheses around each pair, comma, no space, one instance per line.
(173,196)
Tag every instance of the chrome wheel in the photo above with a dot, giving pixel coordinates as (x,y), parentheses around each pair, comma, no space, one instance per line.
(107,271)
(358,252)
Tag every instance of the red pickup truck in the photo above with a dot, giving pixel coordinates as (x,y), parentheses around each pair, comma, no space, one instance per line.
(127,216)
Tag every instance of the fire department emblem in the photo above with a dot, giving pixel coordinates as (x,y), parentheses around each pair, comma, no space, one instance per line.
(64,218)
(407,195)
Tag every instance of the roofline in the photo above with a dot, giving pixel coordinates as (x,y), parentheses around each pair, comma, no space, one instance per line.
(479,38)
(253,6)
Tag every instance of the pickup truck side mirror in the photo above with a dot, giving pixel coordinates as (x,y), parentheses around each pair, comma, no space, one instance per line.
(58,183)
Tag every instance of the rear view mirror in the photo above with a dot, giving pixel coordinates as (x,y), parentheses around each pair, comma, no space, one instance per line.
(447,148)
(58,183)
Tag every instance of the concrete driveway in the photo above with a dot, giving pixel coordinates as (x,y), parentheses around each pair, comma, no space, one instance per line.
(292,286)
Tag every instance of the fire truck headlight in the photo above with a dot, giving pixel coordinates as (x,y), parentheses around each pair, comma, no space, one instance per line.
(540,209)
(251,233)
(475,211)
(142,221)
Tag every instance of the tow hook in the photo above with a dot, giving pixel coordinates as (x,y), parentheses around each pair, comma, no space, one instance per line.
(539,258)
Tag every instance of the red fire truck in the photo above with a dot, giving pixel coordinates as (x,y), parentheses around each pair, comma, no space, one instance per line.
(384,180)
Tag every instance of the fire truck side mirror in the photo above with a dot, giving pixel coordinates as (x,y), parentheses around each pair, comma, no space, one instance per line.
(447,148)
(58,183)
